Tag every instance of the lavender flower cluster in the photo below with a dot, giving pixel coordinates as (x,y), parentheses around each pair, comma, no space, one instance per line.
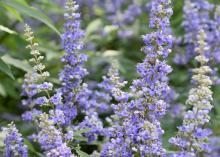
(198,15)
(14,142)
(139,132)
(51,139)
(192,136)
(133,127)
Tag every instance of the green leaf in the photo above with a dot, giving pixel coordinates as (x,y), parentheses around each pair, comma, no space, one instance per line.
(16,14)
(2,136)
(30,11)
(80,138)
(2,90)
(10,88)
(5,69)
(31,148)
(6,29)
(170,152)
(82,131)
(50,53)
(78,135)
(110,29)
(16,63)
(2,53)
(93,26)
(111,53)
(81,153)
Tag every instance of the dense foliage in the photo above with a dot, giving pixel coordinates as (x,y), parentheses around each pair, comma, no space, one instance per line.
(110,78)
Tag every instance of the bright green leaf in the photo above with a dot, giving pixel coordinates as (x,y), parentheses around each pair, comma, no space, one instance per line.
(2,136)
(5,69)
(80,138)
(6,29)
(30,11)
(81,153)
(78,135)
(111,53)
(17,63)
(82,131)
(99,11)
(110,29)
(50,54)
(9,87)
(93,26)
(31,148)
(14,12)
(2,91)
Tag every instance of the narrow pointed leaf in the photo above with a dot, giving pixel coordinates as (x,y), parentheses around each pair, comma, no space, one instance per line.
(13,11)
(30,11)
(5,69)
(81,153)
(2,93)
(6,29)
(16,63)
